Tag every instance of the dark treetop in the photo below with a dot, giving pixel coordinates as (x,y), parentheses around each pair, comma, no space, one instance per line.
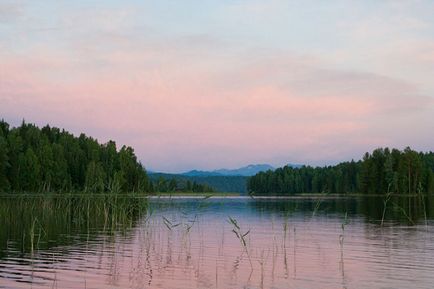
(384,171)
(53,160)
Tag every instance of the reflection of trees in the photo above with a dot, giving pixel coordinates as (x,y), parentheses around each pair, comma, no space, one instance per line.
(406,209)
(45,222)
(124,243)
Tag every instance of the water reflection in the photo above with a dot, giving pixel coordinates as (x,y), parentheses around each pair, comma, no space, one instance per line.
(189,243)
(31,223)
(399,209)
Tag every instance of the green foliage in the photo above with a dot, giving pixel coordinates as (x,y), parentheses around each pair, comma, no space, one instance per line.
(382,172)
(53,160)
(41,222)
(28,170)
(172,185)
(4,162)
(233,184)
(95,177)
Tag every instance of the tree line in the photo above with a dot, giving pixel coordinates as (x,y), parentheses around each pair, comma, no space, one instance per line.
(380,172)
(48,159)
(233,184)
(174,185)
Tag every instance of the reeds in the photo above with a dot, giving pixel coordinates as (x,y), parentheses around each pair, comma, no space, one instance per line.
(422,199)
(343,224)
(241,236)
(318,203)
(385,201)
(35,220)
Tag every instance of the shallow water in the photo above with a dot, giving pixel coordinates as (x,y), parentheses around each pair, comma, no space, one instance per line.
(189,243)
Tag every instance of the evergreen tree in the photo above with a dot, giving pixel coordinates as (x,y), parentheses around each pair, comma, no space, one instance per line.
(29,171)
(50,159)
(383,171)
(4,163)
(95,177)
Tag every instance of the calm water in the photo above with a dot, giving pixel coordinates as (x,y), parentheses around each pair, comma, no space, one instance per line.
(189,243)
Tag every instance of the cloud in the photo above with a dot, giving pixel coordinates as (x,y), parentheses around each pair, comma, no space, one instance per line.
(196,100)
(175,108)
(10,11)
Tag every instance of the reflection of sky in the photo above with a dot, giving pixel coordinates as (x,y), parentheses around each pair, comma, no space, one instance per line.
(307,254)
(224,83)
(367,209)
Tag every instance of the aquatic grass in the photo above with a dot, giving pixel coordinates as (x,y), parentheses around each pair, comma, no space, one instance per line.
(241,236)
(190,224)
(422,199)
(37,219)
(318,202)
(404,212)
(32,235)
(169,224)
(285,233)
(385,201)
(343,224)
(262,262)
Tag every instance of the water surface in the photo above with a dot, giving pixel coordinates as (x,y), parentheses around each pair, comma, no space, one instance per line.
(190,243)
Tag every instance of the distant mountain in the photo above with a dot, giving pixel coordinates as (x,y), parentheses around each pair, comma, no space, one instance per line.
(196,173)
(222,180)
(246,171)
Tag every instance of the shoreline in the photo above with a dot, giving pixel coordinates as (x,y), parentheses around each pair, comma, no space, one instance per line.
(214,195)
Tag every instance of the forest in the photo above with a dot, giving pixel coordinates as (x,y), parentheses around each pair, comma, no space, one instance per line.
(381,172)
(225,184)
(48,159)
(53,160)
(173,185)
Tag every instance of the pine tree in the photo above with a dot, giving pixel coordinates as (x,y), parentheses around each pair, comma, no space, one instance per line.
(4,164)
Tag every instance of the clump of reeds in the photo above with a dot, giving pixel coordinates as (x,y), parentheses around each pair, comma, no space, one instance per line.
(42,218)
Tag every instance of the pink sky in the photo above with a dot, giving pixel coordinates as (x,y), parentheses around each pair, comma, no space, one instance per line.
(186,99)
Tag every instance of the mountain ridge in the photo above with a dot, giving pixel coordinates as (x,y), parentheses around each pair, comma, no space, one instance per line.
(246,171)
(222,180)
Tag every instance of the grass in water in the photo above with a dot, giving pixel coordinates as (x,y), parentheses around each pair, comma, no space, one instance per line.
(241,236)
(404,212)
(40,219)
(343,224)
(385,201)
(318,203)
(422,199)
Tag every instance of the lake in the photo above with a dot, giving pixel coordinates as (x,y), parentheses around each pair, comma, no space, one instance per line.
(231,242)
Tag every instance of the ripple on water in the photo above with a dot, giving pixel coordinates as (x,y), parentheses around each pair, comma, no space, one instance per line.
(312,252)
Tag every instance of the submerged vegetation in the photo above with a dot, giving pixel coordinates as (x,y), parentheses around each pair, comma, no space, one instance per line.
(382,172)
(48,159)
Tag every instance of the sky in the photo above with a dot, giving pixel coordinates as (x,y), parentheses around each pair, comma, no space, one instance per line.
(213,84)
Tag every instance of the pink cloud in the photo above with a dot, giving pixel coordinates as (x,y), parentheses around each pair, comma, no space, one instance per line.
(179,111)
